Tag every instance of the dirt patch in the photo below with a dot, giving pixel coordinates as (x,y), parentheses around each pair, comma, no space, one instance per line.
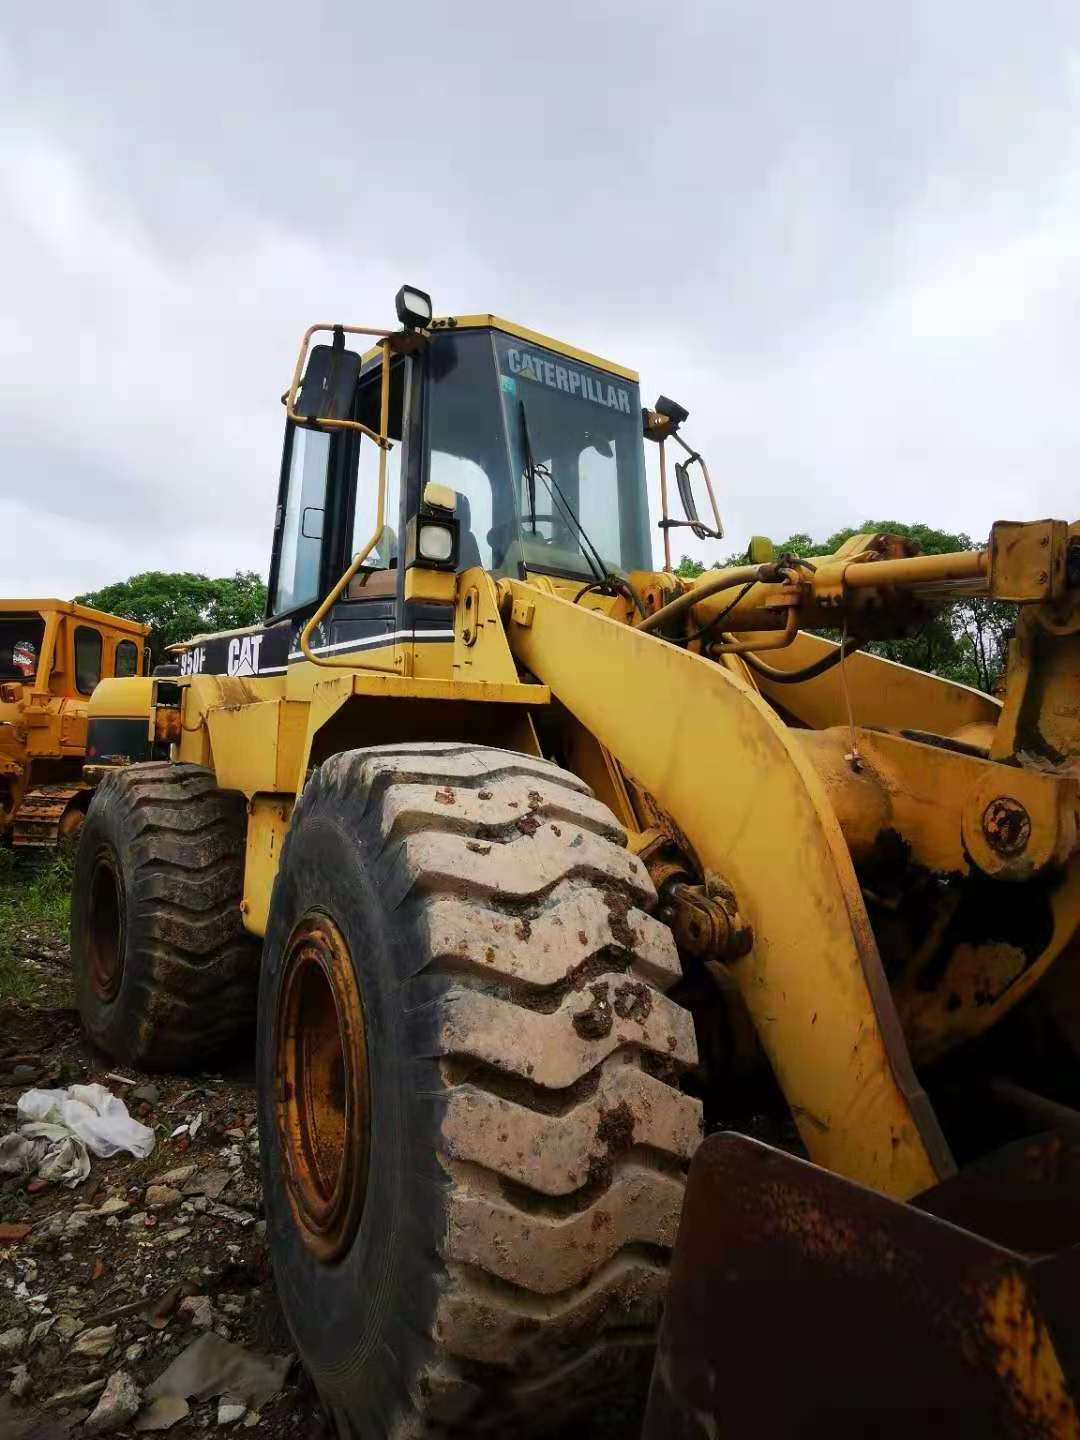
(595,1021)
(633,1001)
(615,1132)
(599,1172)
(124,1271)
(618,907)
(616,1128)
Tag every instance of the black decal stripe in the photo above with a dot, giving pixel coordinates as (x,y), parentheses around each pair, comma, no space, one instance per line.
(372,642)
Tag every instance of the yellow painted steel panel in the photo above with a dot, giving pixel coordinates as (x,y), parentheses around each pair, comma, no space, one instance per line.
(716,757)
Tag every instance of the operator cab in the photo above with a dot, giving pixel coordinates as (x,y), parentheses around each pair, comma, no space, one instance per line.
(538,449)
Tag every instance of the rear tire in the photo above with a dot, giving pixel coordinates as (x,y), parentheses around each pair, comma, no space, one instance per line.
(472,1190)
(165,974)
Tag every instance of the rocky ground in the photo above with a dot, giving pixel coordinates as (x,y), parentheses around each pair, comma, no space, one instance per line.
(104,1286)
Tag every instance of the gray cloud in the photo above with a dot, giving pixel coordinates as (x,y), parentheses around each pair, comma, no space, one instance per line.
(842,234)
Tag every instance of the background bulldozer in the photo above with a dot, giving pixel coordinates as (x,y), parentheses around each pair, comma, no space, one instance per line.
(533,863)
(52,654)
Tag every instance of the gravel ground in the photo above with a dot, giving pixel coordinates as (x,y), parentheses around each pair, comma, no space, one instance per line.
(118,1276)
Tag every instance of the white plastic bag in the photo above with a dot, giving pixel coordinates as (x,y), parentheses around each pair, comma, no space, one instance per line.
(90,1113)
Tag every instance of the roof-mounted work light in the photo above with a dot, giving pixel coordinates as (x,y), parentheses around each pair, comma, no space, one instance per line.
(413,307)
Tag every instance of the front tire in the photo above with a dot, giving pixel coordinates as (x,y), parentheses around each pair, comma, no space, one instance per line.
(473,1143)
(165,974)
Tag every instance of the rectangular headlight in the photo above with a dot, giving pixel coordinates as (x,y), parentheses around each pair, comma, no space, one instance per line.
(435,542)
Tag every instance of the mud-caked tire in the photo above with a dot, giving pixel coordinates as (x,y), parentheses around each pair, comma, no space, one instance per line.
(165,975)
(473,1141)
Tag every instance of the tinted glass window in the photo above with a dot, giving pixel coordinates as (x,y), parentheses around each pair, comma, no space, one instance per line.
(583,428)
(87,659)
(302,527)
(496,403)
(20,646)
(468,447)
(127,659)
(368,405)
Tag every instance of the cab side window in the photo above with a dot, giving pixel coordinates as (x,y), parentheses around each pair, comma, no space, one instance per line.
(87,659)
(127,659)
(384,555)
(300,556)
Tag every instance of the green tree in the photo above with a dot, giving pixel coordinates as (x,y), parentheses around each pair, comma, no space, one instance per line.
(688,568)
(177,606)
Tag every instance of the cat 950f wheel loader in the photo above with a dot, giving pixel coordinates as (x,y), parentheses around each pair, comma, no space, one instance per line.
(531,864)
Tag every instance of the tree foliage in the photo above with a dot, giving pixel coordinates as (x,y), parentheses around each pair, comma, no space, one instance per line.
(689,569)
(177,606)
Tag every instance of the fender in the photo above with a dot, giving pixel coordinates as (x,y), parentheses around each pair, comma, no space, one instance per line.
(120,723)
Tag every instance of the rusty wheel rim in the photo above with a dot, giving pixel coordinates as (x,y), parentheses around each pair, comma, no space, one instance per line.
(106,928)
(323,1106)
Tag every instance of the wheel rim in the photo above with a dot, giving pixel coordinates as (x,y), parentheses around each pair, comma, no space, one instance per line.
(321,1071)
(106,928)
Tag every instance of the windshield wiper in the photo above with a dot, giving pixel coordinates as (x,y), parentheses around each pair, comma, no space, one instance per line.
(533,468)
(530,465)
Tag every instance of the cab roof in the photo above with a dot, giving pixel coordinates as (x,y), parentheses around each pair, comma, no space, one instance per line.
(496,322)
(520,332)
(69,607)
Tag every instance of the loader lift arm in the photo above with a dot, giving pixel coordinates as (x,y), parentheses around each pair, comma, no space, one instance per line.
(756,813)
(771,808)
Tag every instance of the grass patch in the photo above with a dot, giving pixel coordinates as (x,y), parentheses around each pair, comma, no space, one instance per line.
(35,899)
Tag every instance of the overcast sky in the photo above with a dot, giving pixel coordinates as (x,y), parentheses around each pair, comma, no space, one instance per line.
(844,233)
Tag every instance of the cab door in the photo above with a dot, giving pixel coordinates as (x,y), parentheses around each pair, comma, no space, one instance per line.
(326,514)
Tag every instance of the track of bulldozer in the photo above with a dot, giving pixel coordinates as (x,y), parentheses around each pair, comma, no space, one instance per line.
(48,813)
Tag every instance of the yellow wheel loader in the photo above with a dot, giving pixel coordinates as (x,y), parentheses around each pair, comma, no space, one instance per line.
(531,864)
(52,654)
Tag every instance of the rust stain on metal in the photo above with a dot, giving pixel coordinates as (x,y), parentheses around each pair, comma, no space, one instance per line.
(1026,1361)
(1006,825)
(323,1104)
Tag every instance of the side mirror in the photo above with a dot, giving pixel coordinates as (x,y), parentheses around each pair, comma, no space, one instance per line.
(329,384)
(686,493)
(702,530)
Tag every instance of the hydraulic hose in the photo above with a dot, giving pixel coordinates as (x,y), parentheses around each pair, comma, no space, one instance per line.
(711,585)
(808,672)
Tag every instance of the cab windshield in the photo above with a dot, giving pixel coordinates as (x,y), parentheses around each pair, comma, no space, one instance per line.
(539,448)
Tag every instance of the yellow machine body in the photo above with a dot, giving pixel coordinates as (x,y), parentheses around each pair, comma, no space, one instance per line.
(873,865)
(52,655)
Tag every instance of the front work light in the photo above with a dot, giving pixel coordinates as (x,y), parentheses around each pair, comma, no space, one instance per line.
(432,537)
(413,307)
(435,542)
